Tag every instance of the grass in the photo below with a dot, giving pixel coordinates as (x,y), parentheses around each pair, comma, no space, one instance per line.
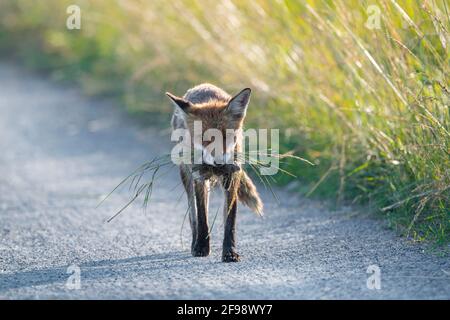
(142,180)
(368,106)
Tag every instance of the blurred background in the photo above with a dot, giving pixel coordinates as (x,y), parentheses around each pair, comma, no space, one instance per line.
(360,88)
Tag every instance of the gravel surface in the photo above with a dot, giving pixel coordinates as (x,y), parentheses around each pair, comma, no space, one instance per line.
(62,152)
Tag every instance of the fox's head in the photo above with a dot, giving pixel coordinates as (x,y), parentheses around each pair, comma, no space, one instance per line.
(221,117)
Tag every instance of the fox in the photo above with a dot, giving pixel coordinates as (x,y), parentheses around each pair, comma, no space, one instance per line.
(218,110)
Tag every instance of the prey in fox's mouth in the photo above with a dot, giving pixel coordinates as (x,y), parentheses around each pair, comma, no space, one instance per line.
(207,170)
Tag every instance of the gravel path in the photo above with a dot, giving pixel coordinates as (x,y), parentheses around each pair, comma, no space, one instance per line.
(61,152)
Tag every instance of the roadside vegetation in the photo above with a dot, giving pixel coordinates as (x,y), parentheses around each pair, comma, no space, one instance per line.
(360,88)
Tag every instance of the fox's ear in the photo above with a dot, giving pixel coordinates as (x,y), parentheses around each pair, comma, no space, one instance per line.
(239,103)
(180,102)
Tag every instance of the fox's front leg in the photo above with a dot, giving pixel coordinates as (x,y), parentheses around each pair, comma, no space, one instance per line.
(201,245)
(230,185)
(188,183)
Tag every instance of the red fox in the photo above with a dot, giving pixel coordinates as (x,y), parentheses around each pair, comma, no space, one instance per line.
(214,109)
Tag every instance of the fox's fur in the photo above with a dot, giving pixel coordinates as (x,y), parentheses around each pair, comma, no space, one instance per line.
(215,109)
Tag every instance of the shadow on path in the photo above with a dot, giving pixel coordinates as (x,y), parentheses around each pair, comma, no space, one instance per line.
(93,270)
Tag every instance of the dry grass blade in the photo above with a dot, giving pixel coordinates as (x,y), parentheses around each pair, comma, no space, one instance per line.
(252,158)
(134,179)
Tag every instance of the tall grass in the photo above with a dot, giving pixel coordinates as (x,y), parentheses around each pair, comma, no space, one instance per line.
(369,106)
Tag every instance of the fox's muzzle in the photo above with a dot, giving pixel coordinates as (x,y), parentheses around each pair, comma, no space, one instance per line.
(218,170)
(226,169)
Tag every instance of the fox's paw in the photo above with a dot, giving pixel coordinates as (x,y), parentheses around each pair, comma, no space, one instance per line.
(230,256)
(200,250)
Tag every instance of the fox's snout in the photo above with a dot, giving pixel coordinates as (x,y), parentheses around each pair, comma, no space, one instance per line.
(227,168)
(219,170)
